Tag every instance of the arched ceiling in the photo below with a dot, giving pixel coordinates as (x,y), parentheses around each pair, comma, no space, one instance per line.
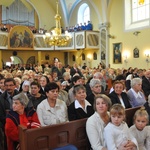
(66,7)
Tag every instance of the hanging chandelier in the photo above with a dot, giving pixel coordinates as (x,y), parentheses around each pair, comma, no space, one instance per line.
(141,2)
(55,37)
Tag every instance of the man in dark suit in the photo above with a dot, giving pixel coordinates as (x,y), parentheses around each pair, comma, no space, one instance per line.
(75,70)
(6,102)
(146,83)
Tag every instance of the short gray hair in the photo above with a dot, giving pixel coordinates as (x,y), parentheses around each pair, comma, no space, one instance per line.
(93,82)
(22,98)
(97,75)
(66,73)
(78,87)
(135,81)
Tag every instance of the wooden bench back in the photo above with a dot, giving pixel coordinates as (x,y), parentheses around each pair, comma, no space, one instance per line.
(129,115)
(54,136)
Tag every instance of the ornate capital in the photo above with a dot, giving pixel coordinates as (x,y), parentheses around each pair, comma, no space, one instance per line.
(104,25)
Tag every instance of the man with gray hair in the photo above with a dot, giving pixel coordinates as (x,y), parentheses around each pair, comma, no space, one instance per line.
(99,75)
(96,88)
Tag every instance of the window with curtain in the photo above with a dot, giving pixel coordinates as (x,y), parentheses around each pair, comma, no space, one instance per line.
(83,13)
(136,15)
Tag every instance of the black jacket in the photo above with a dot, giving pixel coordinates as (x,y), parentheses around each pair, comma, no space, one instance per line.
(146,86)
(4,107)
(73,71)
(115,99)
(79,113)
(147,108)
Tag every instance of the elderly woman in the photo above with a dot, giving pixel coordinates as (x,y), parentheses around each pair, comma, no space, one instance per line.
(52,110)
(96,123)
(20,115)
(96,88)
(118,96)
(135,95)
(80,108)
(62,95)
(18,83)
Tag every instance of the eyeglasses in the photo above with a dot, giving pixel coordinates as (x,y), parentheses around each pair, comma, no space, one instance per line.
(7,85)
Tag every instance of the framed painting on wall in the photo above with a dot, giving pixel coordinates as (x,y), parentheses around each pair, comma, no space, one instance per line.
(117,53)
(136,53)
(20,37)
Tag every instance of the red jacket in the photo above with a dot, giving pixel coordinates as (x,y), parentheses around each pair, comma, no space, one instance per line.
(13,119)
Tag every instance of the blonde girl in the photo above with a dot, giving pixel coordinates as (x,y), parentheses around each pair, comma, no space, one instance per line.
(116,133)
(140,130)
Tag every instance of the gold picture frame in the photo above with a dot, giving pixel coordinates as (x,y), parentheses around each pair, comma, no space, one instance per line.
(117,53)
(20,37)
(136,52)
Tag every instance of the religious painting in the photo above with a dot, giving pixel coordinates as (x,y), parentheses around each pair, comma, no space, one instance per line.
(83,56)
(95,56)
(46,57)
(20,37)
(136,53)
(103,55)
(73,58)
(117,48)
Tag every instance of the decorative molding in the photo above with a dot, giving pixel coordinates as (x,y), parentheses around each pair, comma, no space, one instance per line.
(104,25)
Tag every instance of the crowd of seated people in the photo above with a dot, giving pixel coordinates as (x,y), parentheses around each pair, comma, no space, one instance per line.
(60,94)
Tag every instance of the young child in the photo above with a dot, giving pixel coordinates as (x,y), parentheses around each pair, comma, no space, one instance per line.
(116,133)
(139,130)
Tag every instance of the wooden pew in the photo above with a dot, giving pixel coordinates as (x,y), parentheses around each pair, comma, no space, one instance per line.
(129,115)
(54,136)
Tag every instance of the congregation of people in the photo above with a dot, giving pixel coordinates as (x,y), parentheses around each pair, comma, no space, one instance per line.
(42,95)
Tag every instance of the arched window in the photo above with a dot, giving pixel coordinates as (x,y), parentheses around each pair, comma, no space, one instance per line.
(137,15)
(83,13)
(140,11)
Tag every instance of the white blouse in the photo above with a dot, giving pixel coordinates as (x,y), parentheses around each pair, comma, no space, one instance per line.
(142,137)
(116,136)
(52,115)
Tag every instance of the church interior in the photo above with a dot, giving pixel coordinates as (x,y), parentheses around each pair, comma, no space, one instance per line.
(112,27)
(69,68)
